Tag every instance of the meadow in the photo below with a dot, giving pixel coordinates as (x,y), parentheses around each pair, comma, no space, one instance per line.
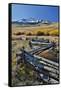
(51,30)
(20,38)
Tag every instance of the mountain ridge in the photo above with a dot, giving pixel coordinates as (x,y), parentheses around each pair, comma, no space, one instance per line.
(31,21)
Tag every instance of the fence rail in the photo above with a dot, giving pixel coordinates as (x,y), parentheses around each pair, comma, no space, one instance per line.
(47,70)
(42,67)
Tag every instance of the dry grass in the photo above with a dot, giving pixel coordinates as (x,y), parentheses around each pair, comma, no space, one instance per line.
(46,29)
(17,44)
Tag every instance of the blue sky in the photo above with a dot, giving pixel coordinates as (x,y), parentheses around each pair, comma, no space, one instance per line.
(20,11)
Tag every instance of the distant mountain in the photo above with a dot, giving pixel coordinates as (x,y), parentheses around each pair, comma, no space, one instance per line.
(45,22)
(31,21)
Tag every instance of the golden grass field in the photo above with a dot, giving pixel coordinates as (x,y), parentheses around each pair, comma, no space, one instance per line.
(17,44)
(53,31)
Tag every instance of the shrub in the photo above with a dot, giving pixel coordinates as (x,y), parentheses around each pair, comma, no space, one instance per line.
(29,34)
(40,33)
(19,33)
